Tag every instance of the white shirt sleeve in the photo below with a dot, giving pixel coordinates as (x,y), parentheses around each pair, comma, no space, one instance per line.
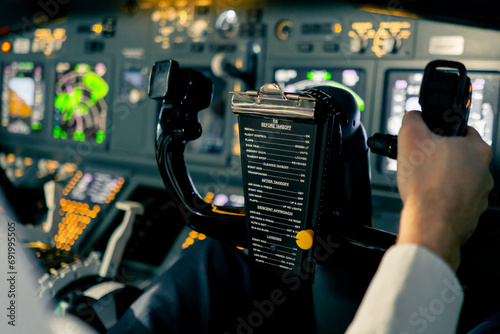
(413,291)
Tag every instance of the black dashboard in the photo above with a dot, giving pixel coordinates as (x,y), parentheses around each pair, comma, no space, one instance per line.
(75,111)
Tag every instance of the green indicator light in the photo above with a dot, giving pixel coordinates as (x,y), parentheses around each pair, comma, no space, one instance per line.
(310,75)
(21,75)
(100,137)
(96,84)
(79,136)
(26,66)
(36,126)
(357,98)
(328,76)
(57,131)
(64,134)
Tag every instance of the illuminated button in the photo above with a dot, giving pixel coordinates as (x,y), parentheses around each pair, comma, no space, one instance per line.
(305,239)
(201,236)
(6,46)
(209,197)
(193,234)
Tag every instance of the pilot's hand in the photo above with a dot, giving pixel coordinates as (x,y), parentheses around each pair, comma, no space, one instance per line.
(444,184)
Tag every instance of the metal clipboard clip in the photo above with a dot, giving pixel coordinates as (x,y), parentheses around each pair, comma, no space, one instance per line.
(271,101)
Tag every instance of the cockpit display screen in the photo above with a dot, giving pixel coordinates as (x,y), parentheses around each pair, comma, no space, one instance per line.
(22,97)
(294,79)
(402,94)
(80,107)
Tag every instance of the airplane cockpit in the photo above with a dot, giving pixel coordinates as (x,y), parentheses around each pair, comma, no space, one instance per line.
(134,131)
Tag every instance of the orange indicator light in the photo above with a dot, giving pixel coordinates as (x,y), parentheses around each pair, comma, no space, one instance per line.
(6,46)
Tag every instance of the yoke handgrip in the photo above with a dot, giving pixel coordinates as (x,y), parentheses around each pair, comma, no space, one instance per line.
(183,93)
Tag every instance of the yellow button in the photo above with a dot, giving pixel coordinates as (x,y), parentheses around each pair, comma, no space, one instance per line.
(305,239)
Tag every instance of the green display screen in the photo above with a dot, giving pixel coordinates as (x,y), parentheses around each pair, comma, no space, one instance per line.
(80,108)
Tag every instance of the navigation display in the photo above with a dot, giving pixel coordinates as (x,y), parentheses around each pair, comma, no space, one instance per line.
(294,79)
(402,94)
(80,108)
(22,97)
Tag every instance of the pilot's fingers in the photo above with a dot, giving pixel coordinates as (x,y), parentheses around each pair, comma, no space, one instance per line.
(413,129)
(413,117)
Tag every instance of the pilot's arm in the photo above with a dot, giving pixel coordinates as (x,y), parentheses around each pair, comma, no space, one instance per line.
(444,184)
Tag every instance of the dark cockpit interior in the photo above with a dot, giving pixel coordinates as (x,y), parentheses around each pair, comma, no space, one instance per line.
(104,211)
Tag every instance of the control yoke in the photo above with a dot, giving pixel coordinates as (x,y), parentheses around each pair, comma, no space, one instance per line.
(333,169)
(183,93)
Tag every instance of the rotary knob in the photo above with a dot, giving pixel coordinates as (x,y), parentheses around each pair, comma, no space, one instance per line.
(359,44)
(392,44)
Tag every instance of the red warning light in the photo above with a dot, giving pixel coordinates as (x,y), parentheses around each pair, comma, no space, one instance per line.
(6,46)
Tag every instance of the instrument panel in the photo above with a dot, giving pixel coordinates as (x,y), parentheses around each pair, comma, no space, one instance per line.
(75,110)
(23,97)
